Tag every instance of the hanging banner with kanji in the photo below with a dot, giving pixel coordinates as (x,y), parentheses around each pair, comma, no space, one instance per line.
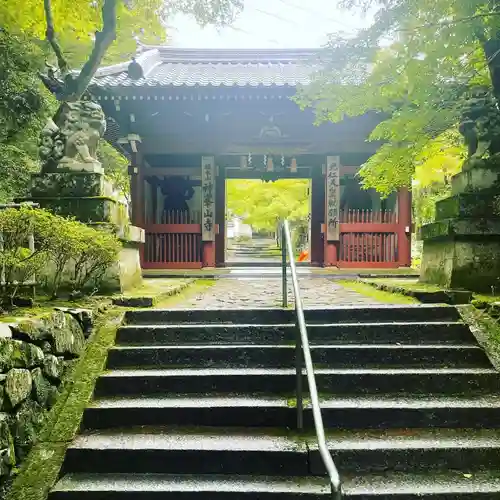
(208,198)
(332,198)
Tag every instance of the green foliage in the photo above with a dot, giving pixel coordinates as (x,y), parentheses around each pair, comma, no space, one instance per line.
(415,66)
(263,204)
(18,262)
(115,166)
(99,250)
(24,107)
(71,246)
(76,21)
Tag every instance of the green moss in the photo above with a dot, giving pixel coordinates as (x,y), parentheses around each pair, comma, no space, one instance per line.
(379,295)
(40,471)
(197,287)
(485,329)
(63,421)
(410,284)
(87,209)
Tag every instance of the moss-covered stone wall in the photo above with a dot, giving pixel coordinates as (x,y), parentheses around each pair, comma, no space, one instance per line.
(35,354)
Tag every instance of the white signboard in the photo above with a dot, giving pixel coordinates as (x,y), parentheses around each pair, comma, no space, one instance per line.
(208,198)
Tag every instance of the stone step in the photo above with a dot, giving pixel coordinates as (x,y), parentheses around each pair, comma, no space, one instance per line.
(363,333)
(188,451)
(367,314)
(177,450)
(339,413)
(166,487)
(281,381)
(409,450)
(335,356)
(454,485)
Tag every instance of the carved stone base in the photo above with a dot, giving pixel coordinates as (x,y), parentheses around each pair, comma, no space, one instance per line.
(71,184)
(458,261)
(486,176)
(91,199)
(462,248)
(462,253)
(95,168)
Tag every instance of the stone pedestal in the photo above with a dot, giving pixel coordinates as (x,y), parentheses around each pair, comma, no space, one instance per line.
(92,199)
(462,248)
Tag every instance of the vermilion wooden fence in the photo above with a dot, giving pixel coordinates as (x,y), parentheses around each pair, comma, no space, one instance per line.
(174,243)
(368,239)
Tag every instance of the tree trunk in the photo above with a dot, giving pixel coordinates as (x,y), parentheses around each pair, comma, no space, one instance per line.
(492,52)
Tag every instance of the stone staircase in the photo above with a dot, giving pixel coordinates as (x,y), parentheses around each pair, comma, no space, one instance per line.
(255,250)
(199,405)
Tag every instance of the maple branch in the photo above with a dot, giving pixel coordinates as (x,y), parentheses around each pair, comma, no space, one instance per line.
(103,39)
(50,35)
(454,21)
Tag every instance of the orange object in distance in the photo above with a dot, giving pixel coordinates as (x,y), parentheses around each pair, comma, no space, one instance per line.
(303,256)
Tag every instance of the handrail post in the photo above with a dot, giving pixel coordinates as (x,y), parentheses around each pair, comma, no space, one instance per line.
(283,267)
(298,378)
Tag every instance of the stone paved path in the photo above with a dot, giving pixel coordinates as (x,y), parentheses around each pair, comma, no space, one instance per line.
(260,293)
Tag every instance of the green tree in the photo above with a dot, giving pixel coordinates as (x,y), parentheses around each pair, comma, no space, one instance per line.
(414,66)
(263,204)
(24,108)
(25,105)
(98,24)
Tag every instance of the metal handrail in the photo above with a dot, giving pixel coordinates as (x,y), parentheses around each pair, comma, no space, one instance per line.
(303,353)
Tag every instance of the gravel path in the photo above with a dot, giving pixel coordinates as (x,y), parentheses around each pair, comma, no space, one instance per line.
(261,293)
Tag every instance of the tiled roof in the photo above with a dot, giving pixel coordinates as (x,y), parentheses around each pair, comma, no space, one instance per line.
(167,66)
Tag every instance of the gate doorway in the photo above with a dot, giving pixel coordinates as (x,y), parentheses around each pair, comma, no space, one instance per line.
(254,209)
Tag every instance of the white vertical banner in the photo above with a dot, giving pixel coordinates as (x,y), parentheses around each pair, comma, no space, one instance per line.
(332,198)
(208,198)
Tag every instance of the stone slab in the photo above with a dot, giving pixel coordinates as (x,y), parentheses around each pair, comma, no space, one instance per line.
(462,228)
(484,204)
(468,263)
(86,209)
(65,184)
(476,179)
(95,167)
(127,234)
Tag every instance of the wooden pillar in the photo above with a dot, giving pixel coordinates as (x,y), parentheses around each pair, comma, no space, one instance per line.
(136,189)
(332,211)
(208,181)
(404,230)
(220,217)
(317,216)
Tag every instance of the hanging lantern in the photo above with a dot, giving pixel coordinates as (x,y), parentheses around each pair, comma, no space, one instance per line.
(243,163)
(293,166)
(270,166)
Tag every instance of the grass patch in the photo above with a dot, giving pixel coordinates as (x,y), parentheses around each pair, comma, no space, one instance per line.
(157,287)
(44,305)
(408,284)
(378,295)
(197,287)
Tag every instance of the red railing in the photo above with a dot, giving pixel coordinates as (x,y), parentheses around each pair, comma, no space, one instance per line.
(368,239)
(368,216)
(175,243)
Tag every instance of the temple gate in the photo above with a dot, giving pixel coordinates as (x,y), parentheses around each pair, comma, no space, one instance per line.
(199,117)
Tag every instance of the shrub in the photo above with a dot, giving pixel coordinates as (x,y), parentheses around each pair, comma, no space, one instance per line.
(82,252)
(19,263)
(99,250)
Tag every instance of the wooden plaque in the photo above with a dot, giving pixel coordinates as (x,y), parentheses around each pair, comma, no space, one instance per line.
(208,198)
(332,198)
